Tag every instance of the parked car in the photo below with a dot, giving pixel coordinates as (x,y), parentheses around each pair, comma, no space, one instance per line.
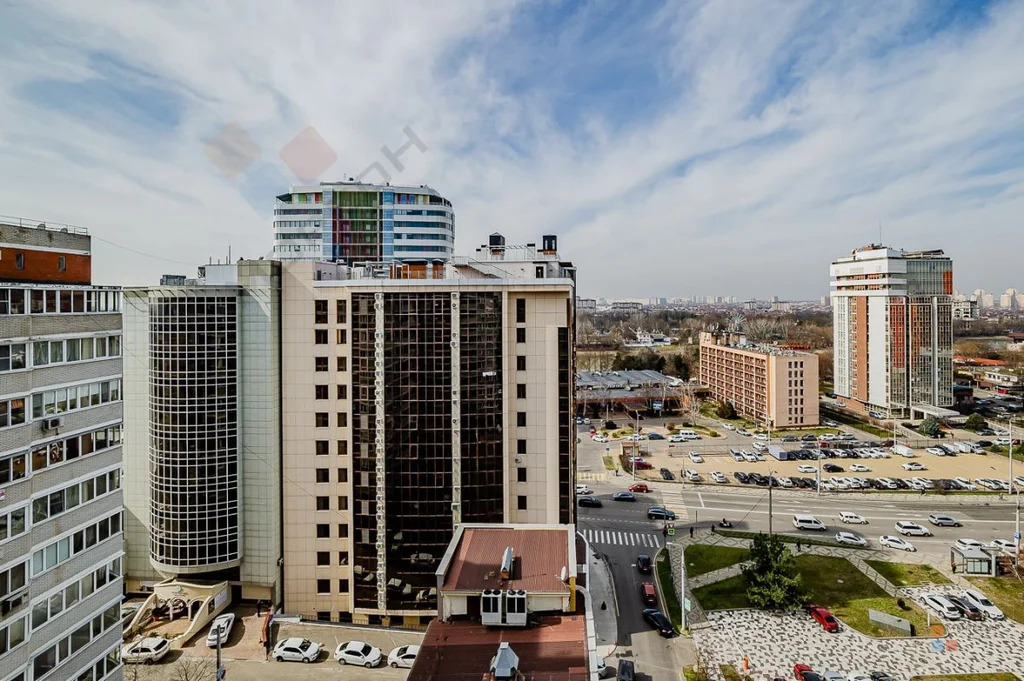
(296,650)
(635,437)
(639,487)
(942,606)
(655,436)
(968,610)
(741,477)
(981,602)
(642,465)
(626,671)
(894,542)
(659,622)
(600,438)
(913,466)
(666,474)
(359,653)
(851,539)
(824,618)
(644,564)
(648,594)
(1002,545)
(583,489)
(676,438)
(692,476)
(907,528)
(660,513)
(403,656)
(832,468)
(965,543)
(623,496)
(790,438)
(147,651)
(696,458)
(807,468)
(852,518)
(589,502)
(803,672)
(220,630)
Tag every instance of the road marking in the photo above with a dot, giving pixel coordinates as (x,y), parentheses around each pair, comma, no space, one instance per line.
(644,539)
(699,496)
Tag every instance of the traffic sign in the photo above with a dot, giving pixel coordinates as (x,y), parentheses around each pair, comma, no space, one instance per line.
(687,604)
(1016,536)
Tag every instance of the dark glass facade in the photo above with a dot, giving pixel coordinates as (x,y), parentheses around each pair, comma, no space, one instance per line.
(566,429)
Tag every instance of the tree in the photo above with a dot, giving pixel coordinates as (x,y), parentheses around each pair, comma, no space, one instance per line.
(976,422)
(930,427)
(725,410)
(772,580)
(194,669)
(677,366)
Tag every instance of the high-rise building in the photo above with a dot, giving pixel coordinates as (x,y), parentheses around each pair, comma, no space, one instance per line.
(356,222)
(60,459)
(893,329)
(1008,301)
(769,384)
(202,388)
(411,405)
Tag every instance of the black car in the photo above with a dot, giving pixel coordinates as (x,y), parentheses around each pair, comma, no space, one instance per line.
(741,477)
(984,443)
(880,676)
(623,496)
(947,484)
(659,622)
(590,502)
(626,671)
(832,468)
(655,436)
(666,474)
(660,513)
(643,563)
(966,609)
(901,483)
(789,438)
(760,480)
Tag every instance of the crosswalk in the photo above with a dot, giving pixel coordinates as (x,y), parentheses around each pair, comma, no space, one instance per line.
(612,537)
(585,476)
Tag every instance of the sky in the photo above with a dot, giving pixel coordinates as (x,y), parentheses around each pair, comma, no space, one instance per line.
(676,148)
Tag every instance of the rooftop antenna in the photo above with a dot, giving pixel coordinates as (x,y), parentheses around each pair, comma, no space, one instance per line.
(880,241)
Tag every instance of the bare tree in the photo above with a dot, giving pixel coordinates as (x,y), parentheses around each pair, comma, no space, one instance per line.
(194,669)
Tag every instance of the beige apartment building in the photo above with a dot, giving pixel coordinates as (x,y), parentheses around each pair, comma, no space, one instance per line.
(416,398)
(766,383)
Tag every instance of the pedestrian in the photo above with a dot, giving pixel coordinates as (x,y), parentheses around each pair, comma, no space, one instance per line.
(604,605)
(691,531)
(798,547)
(266,649)
(952,566)
(259,605)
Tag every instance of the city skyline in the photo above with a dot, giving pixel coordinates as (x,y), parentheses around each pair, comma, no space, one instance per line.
(793,141)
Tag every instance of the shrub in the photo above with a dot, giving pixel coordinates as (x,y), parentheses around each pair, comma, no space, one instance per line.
(610,425)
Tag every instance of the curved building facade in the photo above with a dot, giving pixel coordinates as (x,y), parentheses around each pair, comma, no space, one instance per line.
(193,439)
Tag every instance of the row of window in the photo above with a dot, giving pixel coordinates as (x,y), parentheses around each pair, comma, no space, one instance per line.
(48,660)
(324,503)
(322,363)
(13,356)
(16,466)
(324,475)
(322,392)
(323,447)
(286,224)
(323,586)
(57,602)
(61,400)
(63,500)
(323,531)
(304,236)
(434,237)
(423,249)
(16,301)
(322,419)
(320,336)
(62,550)
(320,311)
(323,558)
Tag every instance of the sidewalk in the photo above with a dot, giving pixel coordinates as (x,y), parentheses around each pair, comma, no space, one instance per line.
(602,590)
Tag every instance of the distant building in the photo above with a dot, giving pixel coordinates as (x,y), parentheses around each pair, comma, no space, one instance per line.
(586,304)
(893,330)
(1008,301)
(965,309)
(626,306)
(766,383)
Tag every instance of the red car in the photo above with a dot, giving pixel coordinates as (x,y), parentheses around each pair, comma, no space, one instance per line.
(639,487)
(824,618)
(642,466)
(803,672)
(648,594)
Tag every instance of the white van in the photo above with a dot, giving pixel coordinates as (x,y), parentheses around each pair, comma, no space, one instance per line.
(808,522)
(687,434)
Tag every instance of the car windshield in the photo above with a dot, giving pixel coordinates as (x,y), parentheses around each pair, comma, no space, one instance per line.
(305,645)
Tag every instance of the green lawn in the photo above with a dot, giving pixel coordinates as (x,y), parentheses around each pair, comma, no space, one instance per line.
(968,677)
(830,582)
(666,588)
(609,462)
(1006,592)
(788,538)
(701,559)
(908,574)
(803,431)
(859,425)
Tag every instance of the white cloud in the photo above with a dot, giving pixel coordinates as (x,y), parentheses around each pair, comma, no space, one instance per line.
(775,138)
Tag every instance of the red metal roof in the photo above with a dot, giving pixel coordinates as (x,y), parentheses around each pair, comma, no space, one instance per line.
(555,650)
(539,555)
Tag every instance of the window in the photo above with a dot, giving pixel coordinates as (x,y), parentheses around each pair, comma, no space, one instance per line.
(342,532)
(342,392)
(520,335)
(323,558)
(62,264)
(521,391)
(19,261)
(323,475)
(522,502)
(321,364)
(320,392)
(13,467)
(342,447)
(521,474)
(342,503)
(342,311)
(342,419)
(320,312)
(343,586)
(342,337)
(320,336)
(342,475)
(323,503)
(12,357)
(323,531)
(520,446)
(520,363)
(323,586)
(322,419)
(521,419)
(343,364)
(322,448)
(520,310)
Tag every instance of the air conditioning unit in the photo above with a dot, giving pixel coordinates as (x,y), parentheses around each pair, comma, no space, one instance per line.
(53,423)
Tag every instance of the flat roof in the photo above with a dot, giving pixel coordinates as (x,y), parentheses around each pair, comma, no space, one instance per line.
(937,412)
(539,554)
(609,380)
(554,650)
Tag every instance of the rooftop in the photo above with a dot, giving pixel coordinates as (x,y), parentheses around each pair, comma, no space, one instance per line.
(619,380)
(554,650)
(539,552)
(738,341)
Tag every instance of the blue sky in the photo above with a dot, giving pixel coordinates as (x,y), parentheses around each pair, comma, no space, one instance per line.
(677,148)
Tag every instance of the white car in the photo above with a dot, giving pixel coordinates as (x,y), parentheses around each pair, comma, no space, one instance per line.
(749,457)
(907,528)
(840,483)
(696,458)
(964,483)
(1002,545)
(726,426)
(851,539)
(892,542)
(1003,441)
(586,420)
(943,520)
(852,518)
(743,431)
(692,476)
(635,437)
(296,649)
(220,629)
(403,656)
(888,483)
(761,436)
(600,438)
(981,602)
(1000,431)
(359,653)
(922,483)
(859,468)
(147,651)
(1019,480)
(583,489)
(965,543)
(942,606)
(830,423)
(913,466)
(718,477)
(937,451)
(676,438)
(807,468)
(737,456)
(760,446)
